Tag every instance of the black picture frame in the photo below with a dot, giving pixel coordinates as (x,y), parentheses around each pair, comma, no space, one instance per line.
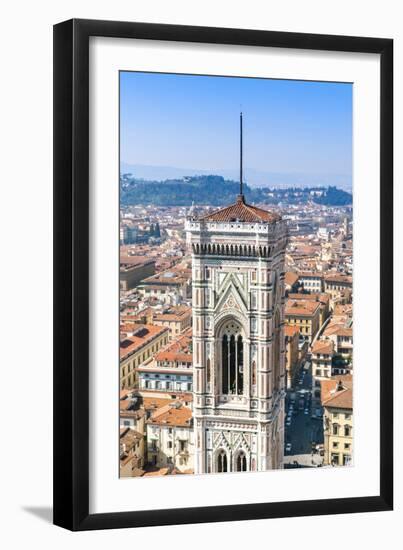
(71,274)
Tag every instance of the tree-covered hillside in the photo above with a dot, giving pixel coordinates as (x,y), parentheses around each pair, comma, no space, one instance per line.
(216,191)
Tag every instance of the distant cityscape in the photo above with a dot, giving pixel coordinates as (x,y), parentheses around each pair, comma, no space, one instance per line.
(236,327)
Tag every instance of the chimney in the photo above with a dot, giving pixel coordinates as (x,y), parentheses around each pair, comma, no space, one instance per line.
(339,386)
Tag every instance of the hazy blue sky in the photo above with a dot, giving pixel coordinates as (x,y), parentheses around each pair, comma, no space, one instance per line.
(193,122)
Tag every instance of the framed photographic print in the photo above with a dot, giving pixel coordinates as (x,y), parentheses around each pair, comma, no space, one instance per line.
(223,274)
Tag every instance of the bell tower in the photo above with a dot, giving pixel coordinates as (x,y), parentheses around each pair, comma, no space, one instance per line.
(238,339)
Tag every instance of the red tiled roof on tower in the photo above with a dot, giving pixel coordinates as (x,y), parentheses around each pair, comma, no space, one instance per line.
(241,212)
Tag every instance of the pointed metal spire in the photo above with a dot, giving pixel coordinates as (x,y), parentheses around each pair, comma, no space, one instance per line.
(241,159)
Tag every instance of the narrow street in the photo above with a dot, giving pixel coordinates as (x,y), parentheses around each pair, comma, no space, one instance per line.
(302,430)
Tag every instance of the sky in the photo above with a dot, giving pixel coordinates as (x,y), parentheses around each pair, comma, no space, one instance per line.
(192,122)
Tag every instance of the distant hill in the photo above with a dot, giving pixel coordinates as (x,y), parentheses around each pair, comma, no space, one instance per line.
(213,190)
(255,178)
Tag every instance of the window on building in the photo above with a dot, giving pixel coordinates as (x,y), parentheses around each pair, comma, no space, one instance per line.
(335,429)
(207,272)
(347,446)
(347,431)
(335,444)
(346,459)
(254,373)
(222,462)
(169,445)
(253,300)
(335,459)
(232,362)
(241,462)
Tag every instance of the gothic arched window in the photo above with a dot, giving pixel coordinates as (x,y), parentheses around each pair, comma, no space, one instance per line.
(225,350)
(241,462)
(222,462)
(239,366)
(232,361)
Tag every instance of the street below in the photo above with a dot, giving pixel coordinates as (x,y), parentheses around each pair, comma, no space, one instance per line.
(303,429)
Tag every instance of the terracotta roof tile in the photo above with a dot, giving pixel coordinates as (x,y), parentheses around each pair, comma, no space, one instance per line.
(301,307)
(290,278)
(321,346)
(143,334)
(174,414)
(178,350)
(338,392)
(313,297)
(240,211)
(290,330)
(339,278)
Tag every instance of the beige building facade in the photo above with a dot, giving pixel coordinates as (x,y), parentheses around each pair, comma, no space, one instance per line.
(177,319)
(291,334)
(137,346)
(337,403)
(133,270)
(305,315)
(170,438)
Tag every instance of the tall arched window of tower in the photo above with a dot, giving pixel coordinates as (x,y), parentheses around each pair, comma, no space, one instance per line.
(232,359)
